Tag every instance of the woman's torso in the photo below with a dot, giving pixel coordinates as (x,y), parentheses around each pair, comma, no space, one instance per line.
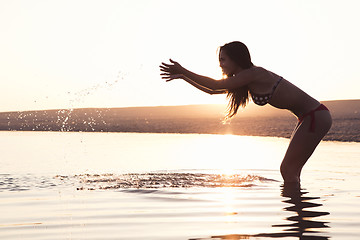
(284,94)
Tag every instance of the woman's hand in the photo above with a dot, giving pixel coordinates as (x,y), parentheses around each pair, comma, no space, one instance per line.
(171,71)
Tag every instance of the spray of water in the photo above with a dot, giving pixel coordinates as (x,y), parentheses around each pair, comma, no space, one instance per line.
(64,120)
(64,116)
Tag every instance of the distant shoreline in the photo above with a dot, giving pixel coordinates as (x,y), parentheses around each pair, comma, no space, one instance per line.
(197,119)
(268,127)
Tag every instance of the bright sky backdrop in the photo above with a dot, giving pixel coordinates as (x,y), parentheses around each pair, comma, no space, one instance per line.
(106,53)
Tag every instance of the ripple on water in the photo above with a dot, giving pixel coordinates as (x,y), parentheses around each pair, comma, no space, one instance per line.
(164,180)
(10,182)
(148,181)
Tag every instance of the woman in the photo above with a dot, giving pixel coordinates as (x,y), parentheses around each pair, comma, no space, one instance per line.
(242,78)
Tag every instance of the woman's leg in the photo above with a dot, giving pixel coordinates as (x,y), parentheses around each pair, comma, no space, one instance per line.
(303,144)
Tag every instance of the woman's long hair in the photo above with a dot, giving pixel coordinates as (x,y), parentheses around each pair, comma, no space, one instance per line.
(238,53)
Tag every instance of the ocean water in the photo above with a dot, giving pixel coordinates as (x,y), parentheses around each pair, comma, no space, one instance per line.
(66,185)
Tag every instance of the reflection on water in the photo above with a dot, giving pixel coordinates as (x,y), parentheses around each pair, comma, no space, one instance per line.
(301,225)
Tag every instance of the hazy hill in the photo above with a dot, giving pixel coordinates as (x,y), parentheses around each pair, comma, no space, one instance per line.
(344,108)
(254,120)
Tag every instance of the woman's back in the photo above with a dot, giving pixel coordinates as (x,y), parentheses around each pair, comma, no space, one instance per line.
(285,96)
(288,96)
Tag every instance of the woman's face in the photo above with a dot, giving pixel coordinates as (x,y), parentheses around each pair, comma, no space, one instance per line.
(228,66)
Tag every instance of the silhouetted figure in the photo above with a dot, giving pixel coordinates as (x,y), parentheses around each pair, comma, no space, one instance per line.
(243,79)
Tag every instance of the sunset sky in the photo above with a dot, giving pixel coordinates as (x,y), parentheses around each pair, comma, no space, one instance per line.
(103,53)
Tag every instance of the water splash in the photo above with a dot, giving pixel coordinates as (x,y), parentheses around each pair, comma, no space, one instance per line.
(65,115)
(63,120)
(80,95)
(164,180)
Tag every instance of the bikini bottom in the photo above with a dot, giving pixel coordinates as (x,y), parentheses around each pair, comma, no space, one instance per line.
(312,115)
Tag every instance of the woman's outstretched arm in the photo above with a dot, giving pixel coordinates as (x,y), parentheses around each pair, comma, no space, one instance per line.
(200,87)
(175,70)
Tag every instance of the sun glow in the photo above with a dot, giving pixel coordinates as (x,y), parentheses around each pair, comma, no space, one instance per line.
(62,55)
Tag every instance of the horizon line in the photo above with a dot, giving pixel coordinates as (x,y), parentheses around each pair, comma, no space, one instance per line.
(148,106)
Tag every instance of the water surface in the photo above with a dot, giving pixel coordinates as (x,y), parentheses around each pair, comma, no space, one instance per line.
(172,186)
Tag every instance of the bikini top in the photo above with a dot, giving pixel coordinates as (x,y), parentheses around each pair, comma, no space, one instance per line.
(263,99)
